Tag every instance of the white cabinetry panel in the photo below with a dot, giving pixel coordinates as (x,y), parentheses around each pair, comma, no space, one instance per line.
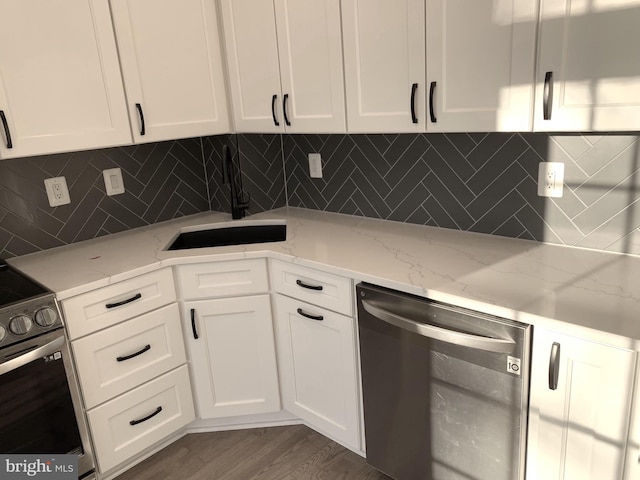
(172,67)
(231,349)
(591,50)
(579,429)
(60,83)
(317,360)
(384,56)
(153,342)
(285,65)
(480,59)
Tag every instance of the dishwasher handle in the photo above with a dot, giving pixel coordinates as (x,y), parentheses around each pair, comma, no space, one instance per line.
(497,345)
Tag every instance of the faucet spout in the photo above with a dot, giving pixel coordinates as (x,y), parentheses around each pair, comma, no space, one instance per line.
(238,203)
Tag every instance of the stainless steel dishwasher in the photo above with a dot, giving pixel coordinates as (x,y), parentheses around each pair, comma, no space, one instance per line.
(445,389)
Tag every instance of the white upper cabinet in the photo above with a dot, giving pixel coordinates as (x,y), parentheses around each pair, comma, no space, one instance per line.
(172,68)
(60,84)
(384,58)
(588,74)
(285,65)
(480,65)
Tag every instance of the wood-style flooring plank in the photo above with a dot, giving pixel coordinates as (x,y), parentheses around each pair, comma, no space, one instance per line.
(276,453)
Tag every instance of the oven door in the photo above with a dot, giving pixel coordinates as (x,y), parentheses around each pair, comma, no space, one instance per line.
(40,409)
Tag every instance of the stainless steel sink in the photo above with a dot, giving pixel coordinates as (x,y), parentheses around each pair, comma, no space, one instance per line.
(230,234)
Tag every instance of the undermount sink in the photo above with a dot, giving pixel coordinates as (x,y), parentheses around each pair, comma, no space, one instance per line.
(230,234)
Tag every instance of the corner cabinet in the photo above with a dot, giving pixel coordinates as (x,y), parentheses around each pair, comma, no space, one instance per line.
(229,339)
(285,65)
(317,354)
(588,75)
(60,84)
(480,65)
(580,405)
(171,94)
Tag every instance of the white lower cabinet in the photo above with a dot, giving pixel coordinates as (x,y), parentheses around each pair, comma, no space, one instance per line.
(317,360)
(579,408)
(141,417)
(231,349)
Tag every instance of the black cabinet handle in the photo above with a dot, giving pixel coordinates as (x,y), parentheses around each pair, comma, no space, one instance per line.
(312,317)
(7,133)
(136,422)
(193,323)
(414,87)
(547,96)
(273,110)
(284,109)
(137,296)
(146,348)
(554,366)
(432,114)
(141,115)
(300,283)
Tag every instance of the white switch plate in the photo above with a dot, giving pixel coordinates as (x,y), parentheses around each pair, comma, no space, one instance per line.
(315,165)
(113,181)
(550,179)
(57,191)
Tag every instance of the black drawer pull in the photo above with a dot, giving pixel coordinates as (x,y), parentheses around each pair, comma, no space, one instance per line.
(284,109)
(139,108)
(273,110)
(554,366)
(137,296)
(136,422)
(414,118)
(7,133)
(127,357)
(547,99)
(193,323)
(432,112)
(300,283)
(312,317)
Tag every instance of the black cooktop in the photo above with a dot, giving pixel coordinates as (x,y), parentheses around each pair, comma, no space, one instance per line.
(15,287)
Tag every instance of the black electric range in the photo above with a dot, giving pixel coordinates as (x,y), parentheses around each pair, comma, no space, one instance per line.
(27,309)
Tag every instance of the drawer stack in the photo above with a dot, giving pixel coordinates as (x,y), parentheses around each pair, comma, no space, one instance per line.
(131,363)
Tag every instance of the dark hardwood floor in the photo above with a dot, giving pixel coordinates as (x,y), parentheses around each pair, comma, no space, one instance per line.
(274,453)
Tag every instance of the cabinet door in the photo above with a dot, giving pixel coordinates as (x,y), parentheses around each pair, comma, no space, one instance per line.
(233,361)
(590,49)
(317,360)
(480,61)
(310,52)
(172,67)
(579,429)
(60,84)
(384,57)
(254,72)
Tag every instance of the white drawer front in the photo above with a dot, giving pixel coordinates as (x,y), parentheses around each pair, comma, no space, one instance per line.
(101,308)
(313,286)
(221,279)
(116,440)
(153,342)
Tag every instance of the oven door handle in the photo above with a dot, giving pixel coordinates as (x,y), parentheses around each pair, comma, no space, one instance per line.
(31,355)
(497,345)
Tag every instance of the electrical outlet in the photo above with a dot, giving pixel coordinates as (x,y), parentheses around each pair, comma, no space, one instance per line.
(315,165)
(57,191)
(550,179)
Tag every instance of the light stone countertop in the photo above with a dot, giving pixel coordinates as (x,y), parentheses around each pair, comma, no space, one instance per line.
(523,280)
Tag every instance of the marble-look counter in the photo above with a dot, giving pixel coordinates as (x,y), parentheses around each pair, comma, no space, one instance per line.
(518,279)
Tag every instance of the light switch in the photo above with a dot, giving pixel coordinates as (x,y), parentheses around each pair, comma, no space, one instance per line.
(113,181)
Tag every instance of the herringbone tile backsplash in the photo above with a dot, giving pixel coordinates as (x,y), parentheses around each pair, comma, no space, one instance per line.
(475,182)
(478,182)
